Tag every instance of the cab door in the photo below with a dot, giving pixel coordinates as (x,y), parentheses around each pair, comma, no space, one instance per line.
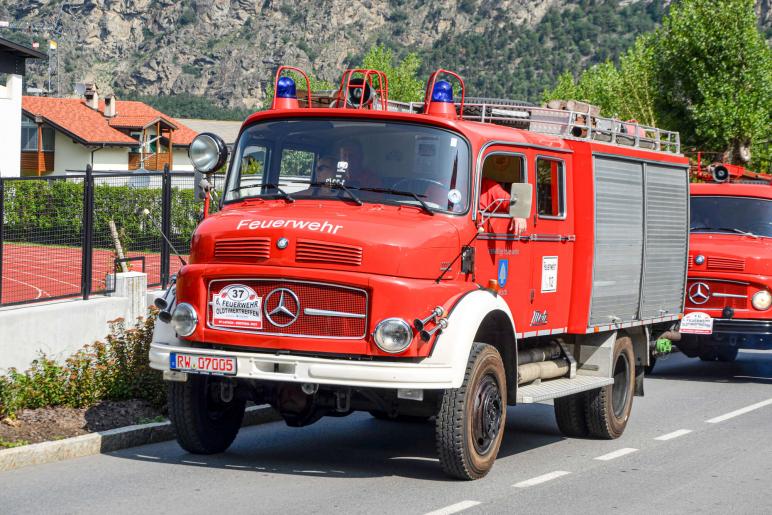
(552,240)
(502,255)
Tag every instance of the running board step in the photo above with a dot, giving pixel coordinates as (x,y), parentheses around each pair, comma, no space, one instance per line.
(554,388)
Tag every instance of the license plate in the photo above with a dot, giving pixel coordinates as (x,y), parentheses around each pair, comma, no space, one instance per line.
(202,364)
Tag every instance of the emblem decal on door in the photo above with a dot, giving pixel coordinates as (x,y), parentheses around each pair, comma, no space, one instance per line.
(503,272)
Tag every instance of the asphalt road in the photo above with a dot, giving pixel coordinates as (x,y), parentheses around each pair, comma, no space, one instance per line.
(700,441)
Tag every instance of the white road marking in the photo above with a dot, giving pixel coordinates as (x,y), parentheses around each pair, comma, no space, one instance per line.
(454,508)
(189,462)
(148,457)
(616,454)
(541,479)
(674,434)
(236,466)
(741,411)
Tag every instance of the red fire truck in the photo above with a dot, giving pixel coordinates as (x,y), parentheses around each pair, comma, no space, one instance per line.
(728,297)
(432,261)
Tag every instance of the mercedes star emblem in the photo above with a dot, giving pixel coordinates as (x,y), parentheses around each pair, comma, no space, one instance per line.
(286,309)
(699,293)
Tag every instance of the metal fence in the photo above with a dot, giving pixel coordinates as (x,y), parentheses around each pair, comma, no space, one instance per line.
(66,236)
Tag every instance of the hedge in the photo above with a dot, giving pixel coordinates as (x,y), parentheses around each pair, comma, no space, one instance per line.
(51,212)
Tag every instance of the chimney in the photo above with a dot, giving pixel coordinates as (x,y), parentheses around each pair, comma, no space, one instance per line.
(110,102)
(91,96)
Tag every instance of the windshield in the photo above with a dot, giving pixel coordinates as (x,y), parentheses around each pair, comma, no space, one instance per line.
(732,214)
(353,161)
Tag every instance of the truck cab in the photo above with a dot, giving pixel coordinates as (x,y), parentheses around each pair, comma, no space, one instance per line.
(435,261)
(730,269)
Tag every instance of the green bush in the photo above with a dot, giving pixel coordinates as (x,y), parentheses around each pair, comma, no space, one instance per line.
(116,369)
(51,212)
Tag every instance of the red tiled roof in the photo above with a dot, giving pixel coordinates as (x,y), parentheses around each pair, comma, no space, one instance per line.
(74,117)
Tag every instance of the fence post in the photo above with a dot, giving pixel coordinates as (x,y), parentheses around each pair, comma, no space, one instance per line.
(2,222)
(87,233)
(166,224)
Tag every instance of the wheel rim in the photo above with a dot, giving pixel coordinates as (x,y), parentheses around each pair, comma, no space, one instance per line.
(620,391)
(486,414)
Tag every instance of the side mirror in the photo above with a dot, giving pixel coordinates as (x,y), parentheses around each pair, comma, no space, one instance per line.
(520,204)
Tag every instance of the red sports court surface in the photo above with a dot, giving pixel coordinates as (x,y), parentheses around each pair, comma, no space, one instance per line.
(39,272)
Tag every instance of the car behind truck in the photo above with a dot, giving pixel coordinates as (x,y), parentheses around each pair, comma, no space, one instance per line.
(432,261)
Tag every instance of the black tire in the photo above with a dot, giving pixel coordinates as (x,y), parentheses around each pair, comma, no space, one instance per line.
(608,408)
(203,423)
(570,415)
(470,423)
(727,353)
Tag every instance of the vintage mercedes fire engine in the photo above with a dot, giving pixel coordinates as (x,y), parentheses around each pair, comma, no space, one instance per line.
(728,297)
(432,261)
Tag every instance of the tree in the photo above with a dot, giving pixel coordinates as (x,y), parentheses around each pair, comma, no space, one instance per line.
(715,72)
(706,73)
(404,85)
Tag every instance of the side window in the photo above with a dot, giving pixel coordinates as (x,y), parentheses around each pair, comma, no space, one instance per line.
(549,188)
(296,163)
(253,161)
(499,172)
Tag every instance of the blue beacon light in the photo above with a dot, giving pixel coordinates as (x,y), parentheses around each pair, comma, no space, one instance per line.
(443,92)
(285,88)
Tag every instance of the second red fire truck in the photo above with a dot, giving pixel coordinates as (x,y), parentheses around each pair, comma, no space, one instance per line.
(435,261)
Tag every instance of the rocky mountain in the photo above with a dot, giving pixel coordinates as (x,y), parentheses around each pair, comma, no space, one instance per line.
(228,50)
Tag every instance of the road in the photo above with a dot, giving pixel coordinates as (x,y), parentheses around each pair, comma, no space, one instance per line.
(698,442)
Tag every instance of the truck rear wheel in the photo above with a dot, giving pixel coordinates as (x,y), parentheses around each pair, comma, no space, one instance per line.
(470,423)
(203,421)
(608,408)
(570,415)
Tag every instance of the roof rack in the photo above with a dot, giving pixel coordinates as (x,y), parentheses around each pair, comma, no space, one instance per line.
(567,123)
(580,123)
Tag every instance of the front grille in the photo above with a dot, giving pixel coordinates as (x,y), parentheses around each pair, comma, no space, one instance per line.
(242,249)
(322,310)
(691,262)
(311,251)
(725,263)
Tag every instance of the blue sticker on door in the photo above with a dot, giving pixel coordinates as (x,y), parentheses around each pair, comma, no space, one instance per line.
(503,272)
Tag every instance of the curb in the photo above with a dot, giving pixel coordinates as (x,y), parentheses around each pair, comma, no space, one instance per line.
(109,441)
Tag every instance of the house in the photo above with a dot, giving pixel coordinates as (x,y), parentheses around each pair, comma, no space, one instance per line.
(227,130)
(12,63)
(66,134)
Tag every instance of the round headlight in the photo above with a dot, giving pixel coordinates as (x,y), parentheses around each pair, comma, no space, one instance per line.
(761,300)
(393,335)
(184,319)
(208,152)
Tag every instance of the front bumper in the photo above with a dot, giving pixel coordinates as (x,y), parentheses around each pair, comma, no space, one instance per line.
(737,332)
(305,369)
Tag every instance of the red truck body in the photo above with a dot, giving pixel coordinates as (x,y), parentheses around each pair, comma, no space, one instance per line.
(389,288)
(730,261)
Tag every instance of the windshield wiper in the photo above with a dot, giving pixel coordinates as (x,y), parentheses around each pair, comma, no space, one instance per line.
(283,193)
(390,191)
(724,229)
(338,186)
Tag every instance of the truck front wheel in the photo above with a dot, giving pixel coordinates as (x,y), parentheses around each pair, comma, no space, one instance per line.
(608,408)
(470,423)
(205,416)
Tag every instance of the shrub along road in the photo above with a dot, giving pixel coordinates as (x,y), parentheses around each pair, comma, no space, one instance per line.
(698,441)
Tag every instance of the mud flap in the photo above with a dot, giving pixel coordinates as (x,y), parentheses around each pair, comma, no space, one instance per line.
(639,373)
